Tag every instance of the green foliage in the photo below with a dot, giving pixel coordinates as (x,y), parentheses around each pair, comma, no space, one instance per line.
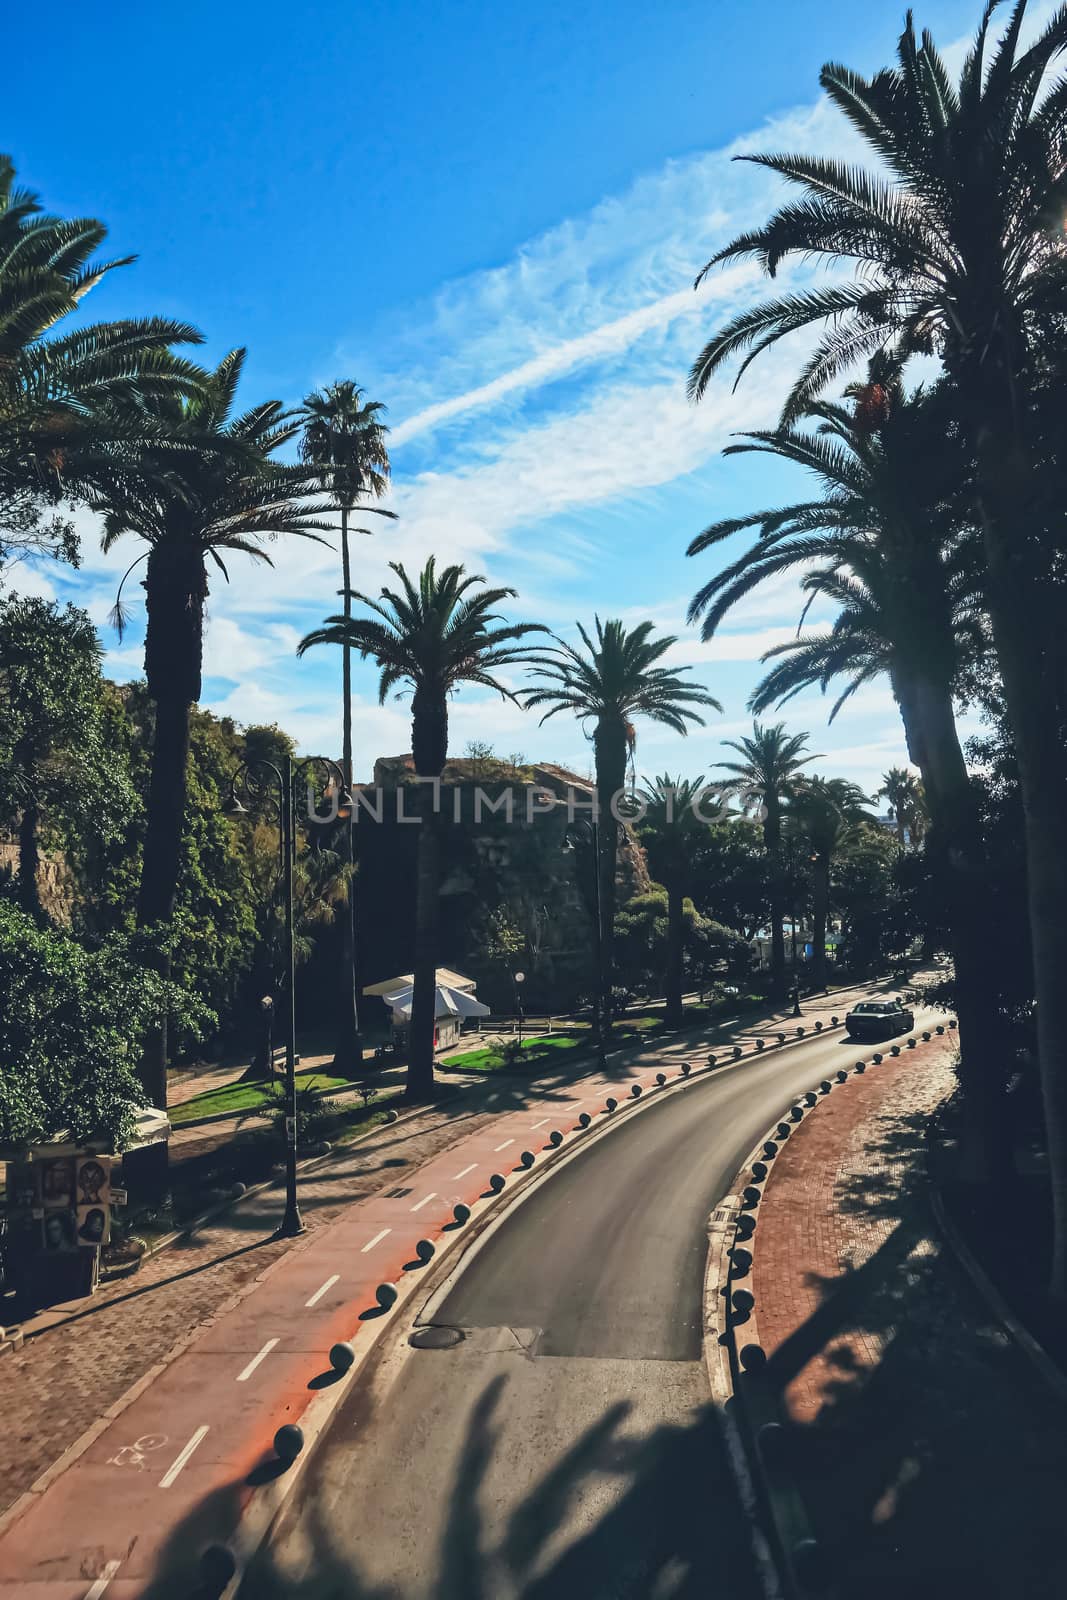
(71,1022)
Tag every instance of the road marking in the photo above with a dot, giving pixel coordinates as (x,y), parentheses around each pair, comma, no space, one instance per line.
(425,1200)
(378,1237)
(182,1457)
(503,1146)
(493,1098)
(317,1296)
(463,1174)
(243,1377)
(542,1122)
(98,1589)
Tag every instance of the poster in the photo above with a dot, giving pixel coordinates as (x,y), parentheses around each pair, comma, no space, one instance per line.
(93,1200)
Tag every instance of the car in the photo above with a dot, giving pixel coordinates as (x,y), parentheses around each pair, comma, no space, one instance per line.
(879,1019)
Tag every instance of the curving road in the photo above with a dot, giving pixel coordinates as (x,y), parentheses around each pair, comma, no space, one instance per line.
(565,1447)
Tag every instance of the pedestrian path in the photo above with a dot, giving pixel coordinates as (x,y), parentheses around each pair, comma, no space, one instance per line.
(931,1458)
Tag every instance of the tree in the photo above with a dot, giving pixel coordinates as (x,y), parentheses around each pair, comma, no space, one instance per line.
(889,541)
(211,486)
(673,832)
(959,253)
(70,1031)
(765,780)
(343,443)
(611,681)
(903,793)
(65,401)
(430,636)
(54,765)
(828,814)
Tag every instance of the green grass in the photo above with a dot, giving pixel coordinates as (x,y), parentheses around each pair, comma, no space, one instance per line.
(241,1097)
(492,1059)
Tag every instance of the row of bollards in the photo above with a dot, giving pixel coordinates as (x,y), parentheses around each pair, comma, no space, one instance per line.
(808,1558)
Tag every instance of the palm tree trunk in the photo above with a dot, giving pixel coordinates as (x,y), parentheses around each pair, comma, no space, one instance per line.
(956,848)
(429,748)
(609,747)
(772,840)
(162,862)
(675,935)
(176,590)
(1028,644)
(348,1050)
(30,861)
(421,1036)
(819,907)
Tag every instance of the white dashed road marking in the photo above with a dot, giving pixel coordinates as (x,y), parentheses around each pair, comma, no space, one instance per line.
(182,1457)
(424,1201)
(317,1296)
(243,1377)
(378,1237)
(503,1146)
(97,1590)
(463,1174)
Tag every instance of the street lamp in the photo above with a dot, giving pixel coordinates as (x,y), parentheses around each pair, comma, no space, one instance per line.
(267,1007)
(587,832)
(283,778)
(520,979)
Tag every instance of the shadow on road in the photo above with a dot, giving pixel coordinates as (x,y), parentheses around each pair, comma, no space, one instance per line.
(617,1516)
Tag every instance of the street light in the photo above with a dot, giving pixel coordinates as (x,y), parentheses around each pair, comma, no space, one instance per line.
(283,778)
(520,979)
(587,832)
(267,1007)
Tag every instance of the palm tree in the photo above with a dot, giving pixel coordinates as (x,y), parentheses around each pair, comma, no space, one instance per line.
(828,814)
(959,252)
(903,792)
(209,487)
(611,682)
(673,831)
(431,636)
(344,444)
(53,437)
(765,781)
(898,560)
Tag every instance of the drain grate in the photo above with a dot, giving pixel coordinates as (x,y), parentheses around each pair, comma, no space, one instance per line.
(398,1194)
(435,1338)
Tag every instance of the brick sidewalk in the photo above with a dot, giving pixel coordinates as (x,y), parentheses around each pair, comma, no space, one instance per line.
(932,1459)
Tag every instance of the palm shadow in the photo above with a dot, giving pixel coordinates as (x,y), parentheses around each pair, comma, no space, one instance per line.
(668,1525)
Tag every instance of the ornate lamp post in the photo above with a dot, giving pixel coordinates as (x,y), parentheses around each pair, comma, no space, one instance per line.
(282,779)
(520,979)
(587,833)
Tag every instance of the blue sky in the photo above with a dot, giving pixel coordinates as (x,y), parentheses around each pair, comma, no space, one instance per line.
(491,217)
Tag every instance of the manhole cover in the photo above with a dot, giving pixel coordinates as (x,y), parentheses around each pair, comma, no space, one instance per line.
(434,1338)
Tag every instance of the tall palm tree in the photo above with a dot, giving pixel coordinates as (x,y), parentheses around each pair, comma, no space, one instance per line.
(53,385)
(828,814)
(959,251)
(673,832)
(343,442)
(903,792)
(888,542)
(430,636)
(765,780)
(211,486)
(612,680)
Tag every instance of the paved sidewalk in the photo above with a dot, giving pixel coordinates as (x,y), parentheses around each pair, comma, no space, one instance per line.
(932,1459)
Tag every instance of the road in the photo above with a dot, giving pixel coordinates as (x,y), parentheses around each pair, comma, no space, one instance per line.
(565,1447)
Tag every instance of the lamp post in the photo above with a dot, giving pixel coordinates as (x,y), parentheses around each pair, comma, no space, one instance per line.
(520,979)
(267,1007)
(282,778)
(587,832)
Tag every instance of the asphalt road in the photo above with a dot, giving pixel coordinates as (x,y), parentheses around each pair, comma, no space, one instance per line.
(565,1448)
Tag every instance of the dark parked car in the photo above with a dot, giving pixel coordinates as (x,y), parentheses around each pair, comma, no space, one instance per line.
(879,1019)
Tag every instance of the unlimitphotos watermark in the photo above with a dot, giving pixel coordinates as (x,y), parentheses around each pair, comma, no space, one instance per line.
(521,804)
